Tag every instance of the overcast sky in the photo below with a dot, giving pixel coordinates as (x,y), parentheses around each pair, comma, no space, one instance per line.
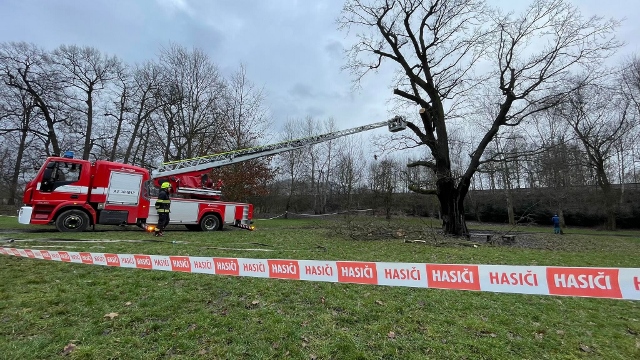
(290,47)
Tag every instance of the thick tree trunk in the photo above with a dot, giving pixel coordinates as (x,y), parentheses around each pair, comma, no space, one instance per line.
(452,207)
(561,216)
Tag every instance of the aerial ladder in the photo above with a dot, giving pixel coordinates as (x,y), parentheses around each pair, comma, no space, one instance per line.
(189,177)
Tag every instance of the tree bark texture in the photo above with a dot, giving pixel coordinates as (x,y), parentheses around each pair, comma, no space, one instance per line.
(452,207)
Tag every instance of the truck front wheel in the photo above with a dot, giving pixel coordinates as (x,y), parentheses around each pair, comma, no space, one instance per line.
(210,222)
(72,221)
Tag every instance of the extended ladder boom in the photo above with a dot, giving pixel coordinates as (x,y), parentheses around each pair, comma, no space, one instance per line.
(232,157)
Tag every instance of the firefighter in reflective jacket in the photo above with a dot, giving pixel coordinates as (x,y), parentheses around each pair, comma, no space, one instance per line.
(163,204)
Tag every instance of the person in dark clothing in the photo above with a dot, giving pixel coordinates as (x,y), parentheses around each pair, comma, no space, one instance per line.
(556,224)
(163,206)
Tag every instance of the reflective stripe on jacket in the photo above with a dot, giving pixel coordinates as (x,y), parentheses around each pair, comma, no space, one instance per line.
(163,204)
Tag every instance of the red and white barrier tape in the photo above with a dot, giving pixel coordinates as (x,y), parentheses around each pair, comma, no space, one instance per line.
(614,283)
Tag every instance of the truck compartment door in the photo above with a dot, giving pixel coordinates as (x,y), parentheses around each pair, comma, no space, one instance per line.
(183,212)
(124,188)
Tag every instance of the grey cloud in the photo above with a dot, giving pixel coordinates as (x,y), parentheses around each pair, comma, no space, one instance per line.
(335,49)
(301,90)
(316,112)
(304,91)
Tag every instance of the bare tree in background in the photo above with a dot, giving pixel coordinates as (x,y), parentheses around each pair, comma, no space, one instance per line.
(146,101)
(599,116)
(290,162)
(438,47)
(17,116)
(506,153)
(384,178)
(243,123)
(350,166)
(324,186)
(85,72)
(192,92)
(630,80)
(27,67)
(119,107)
(244,112)
(313,165)
(630,77)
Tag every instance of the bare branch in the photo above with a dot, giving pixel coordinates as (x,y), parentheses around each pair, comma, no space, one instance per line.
(420,190)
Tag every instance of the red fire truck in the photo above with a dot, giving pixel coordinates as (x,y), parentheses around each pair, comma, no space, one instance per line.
(74,194)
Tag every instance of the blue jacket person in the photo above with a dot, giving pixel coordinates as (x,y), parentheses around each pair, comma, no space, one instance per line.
(556,224)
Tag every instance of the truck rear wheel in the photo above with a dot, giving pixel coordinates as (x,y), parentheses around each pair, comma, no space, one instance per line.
(72,221)
(210,222)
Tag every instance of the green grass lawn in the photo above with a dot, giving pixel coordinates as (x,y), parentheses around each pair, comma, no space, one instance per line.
(45,306)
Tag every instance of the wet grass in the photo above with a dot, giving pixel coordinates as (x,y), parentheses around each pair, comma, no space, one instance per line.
(47,306)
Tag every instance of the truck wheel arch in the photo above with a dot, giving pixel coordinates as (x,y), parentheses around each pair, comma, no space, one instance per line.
(86,209)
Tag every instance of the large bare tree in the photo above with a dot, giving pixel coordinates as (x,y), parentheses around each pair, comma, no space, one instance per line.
(146,99)
(349,169)
(192,93)
(118,109)
(290,163)
(244,119)
(384,178)
(600,117)
(28,68)
(85,73)
(17,118)
(447,51)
